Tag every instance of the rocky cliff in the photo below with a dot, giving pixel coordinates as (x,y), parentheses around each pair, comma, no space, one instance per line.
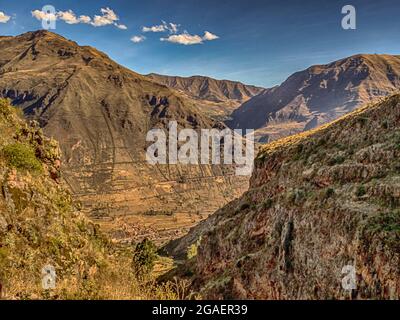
(318,201)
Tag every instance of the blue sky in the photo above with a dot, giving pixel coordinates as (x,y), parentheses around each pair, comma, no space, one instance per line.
(259,42)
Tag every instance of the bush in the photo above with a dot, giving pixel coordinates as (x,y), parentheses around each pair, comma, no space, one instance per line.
(144,257)
(336,160)
(329,193)
(22,156)
(385,227)
(267,204)
(361,191)
(193,249)
(5,108)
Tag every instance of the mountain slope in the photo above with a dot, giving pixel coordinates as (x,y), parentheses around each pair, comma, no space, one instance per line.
(100,113)
(40,226)
(318,95)
(217,97)
(318,201)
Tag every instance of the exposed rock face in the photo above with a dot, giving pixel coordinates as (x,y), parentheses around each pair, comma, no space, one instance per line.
(318,95)
(318,201)
(218,98)
(100,113)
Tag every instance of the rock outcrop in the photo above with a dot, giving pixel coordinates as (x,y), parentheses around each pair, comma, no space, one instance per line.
(318,202)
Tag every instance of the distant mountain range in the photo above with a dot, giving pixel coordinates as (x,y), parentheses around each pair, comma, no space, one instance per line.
(218,98)
(100,112)
(318,95)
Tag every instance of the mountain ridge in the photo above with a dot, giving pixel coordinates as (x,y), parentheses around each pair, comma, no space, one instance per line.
(100,112)
(222,96)
(318,94)
(318,202)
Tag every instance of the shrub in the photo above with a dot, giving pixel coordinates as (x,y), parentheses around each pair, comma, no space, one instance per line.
(267,204)
(361,191)
(144,257)
(385,227)
(22,156)
(193,249)
(329,193)
(5,108)
(336,160)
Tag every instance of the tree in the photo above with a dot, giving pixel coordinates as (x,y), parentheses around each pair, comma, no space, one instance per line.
(144,257)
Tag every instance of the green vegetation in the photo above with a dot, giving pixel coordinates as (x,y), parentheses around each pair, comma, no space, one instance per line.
(153,213)
(336,160)
(330,192)
(193,249)
(40,225)
(361,191)
(22,156)
(5,108)
(267,204)
(385,227)
(144,257)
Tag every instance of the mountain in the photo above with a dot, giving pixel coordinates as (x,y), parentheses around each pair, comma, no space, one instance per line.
(100,112)
(318,95)
(318,201)
(42,229)
(217,97)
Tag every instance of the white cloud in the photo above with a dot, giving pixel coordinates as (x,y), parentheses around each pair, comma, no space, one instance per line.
(208,36)
(187,39)
(159,28)
(107,17)
(137,39)
(184,38)
(4,18)
(163,27)
(85,19)
(68,17)
(173,28)
(121,26)
(40,15)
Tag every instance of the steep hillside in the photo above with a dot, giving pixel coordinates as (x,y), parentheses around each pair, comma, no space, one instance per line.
(218,98)
(318,95)
(100,113)
(40,225)
(318,201)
